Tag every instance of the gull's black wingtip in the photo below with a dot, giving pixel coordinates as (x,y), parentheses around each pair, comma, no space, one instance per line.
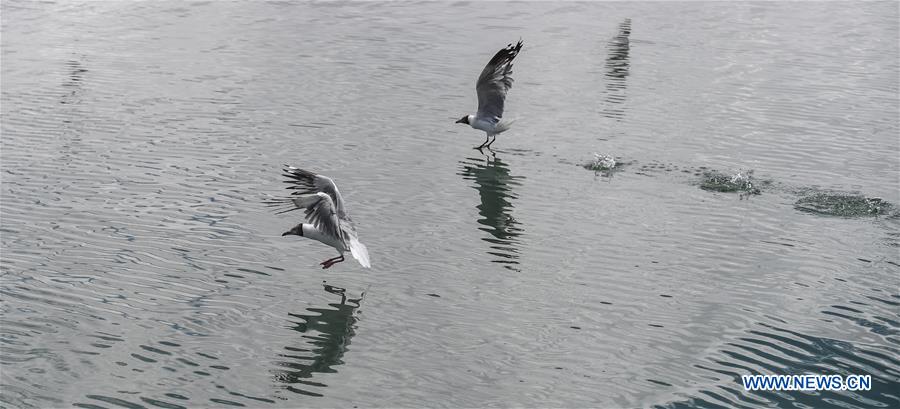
(506,54)
(517,46)
(514,50)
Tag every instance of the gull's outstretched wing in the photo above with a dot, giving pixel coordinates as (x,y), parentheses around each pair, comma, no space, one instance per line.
(495,80)
(306,182)
(320,212)
(319,197)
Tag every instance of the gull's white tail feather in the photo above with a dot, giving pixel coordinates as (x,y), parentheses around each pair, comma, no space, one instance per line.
(360,252)
(504,125)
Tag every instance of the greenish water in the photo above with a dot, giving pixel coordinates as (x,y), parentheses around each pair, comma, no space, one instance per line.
(846,205)
(139,266)
(738,182)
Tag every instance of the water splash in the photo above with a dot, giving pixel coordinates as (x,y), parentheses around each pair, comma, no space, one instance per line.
(602,163)
(742,182)
(842,204)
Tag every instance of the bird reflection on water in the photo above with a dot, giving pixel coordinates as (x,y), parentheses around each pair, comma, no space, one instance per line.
(73,83)
(617,66)
(495,187)
(326,337)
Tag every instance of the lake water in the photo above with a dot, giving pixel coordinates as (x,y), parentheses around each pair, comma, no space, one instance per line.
(140,267)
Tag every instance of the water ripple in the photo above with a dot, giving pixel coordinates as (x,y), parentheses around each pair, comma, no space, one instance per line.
(140,269)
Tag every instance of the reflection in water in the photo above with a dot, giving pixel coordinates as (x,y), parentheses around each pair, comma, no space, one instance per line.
(73,82)
(617,70)
(326,335)
(494,185)
(72,127)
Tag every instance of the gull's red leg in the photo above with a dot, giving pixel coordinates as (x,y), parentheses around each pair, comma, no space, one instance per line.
(332,261)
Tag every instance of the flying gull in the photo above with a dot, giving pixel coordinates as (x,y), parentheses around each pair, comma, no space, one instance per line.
(492,85)
(328,222)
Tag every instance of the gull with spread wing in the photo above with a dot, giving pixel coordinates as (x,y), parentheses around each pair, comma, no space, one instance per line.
(328,221)
(493,83)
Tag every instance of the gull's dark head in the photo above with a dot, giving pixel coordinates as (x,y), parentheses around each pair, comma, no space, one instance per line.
(297,231)
(463,120)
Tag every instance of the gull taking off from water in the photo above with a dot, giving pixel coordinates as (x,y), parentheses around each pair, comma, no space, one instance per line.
(328,223)
(491,87)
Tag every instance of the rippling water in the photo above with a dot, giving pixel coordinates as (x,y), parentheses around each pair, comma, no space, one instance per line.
(141,269)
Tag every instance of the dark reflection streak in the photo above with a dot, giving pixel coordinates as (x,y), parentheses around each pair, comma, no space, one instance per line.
(72,124)
(73,82)
(617,70)
(494,184)
(327,331)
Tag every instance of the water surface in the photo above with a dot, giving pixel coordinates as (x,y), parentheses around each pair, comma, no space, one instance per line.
(140,267)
